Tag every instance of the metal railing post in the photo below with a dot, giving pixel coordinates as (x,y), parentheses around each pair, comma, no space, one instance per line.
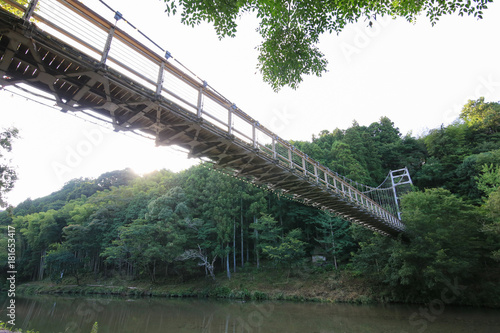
(199,106)
(274,147)
(107,46)
(29,11)
(230,119)
(254,133)
(159,82)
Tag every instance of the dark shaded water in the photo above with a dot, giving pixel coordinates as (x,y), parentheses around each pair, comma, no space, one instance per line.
(50,314)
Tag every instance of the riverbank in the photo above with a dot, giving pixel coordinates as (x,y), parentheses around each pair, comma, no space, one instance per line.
(5,329)
(249,284)
(306,284)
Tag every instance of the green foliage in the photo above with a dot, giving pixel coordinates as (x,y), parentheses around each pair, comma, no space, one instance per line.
(444,235)
(447,149)
(287,54)
(286,249)
(60,261)
(371,259)
(3,325)
(202,222)
(492,227)
(259,295)
(443,243)
(8,175)
(289,250)
(489,180)
(14,10)
(291,30)
(159,237)
(334,236)
(269,231)
(481,115)
(362,153)
(455,154)
(76,189)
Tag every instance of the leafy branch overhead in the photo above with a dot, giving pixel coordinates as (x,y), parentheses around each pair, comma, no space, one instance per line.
(290,29)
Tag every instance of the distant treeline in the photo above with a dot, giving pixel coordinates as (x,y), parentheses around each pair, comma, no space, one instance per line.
(203,221)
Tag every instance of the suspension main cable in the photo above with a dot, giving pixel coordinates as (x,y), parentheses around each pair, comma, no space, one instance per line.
(167,54)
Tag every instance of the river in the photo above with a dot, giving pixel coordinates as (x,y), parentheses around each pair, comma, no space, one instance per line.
(52,314)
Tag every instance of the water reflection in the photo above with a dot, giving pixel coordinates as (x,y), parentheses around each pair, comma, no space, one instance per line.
(49,314)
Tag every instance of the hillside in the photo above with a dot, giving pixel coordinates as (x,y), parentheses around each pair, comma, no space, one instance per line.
(204,222)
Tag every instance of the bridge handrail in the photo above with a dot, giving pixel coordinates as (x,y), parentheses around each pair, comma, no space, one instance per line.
(203,101)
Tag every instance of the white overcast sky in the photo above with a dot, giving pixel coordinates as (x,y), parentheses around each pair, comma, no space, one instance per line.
(417,75)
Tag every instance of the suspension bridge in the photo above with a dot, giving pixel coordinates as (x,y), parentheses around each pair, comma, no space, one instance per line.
(89,65)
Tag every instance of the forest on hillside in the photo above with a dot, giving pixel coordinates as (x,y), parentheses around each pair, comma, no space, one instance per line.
(205,222)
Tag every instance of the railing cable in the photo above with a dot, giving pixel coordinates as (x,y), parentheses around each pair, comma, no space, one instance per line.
(166,54)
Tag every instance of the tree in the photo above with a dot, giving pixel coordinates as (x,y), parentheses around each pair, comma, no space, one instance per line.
(484,116)
(8,174)
(334,236)
(372,257)
(12,9)
(489,183)
(447,147)
(489,180)
(61,261)
(387,141)
(140,245)
(492,208)
(346,164)
(115,178)
(216,198)
(269,231)
(291,30)
(289,250)
(203,259)
(159,238)
(39,231)
(270,240)
(444,243)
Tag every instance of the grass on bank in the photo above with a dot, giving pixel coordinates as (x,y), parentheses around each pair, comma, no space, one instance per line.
(3,326)
(307,283)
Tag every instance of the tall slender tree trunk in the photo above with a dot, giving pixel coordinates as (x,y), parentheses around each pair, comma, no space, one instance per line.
(222,257)
(42,264)
(248,249)
(256,243)
(234,245)
(241,234)
(96,266)
(227,263)
(333,246)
